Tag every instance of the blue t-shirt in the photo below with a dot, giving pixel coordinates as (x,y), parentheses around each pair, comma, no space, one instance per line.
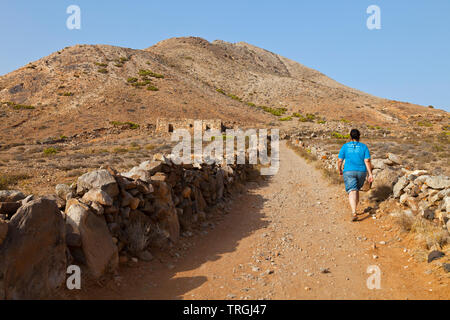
(354,153)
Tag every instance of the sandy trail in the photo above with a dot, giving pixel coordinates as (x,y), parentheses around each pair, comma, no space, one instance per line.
(274,243)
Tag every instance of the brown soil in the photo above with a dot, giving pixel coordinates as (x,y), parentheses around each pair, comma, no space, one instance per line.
(272,245)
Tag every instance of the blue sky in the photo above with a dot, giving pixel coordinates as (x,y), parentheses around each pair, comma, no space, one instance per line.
(408,59)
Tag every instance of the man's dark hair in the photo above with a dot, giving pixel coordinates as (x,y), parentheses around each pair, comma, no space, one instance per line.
(355,134)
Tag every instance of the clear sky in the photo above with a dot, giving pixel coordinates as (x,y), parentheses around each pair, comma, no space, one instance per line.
(408,59)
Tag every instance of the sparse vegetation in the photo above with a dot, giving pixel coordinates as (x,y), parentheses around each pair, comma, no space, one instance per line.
(7,180)
(338,135)
(50,151)
(131,125)
(288,118)
(274,111)
(132,80)
(221,91)
(424,123)
(149,73)
(100,64)
(102,70)
(18,106)
(152,88)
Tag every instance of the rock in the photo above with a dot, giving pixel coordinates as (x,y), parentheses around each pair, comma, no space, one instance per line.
(438,182)
(151,166)
(33,255)
(3,230)
(27,199)
(434,255)
(398,187)
(446,204)
(446,267)
(62,190)
(11,196)
(123,259)
(143,187)
(412,176)
(403,198)
(97,208)
(9,208)
(186,193)
(73,239)
(134,203)
(96,241)
(378,164)
(145,256)
(394,158)
(99,196)
(138,174)
(101,179)
(159,176)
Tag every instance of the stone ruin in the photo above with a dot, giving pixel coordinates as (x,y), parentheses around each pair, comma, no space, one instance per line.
(170,125)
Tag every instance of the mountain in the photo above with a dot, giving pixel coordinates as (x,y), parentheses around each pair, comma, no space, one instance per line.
(86,87)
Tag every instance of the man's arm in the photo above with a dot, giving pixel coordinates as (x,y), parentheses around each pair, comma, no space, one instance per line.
(340,161)
(369,169)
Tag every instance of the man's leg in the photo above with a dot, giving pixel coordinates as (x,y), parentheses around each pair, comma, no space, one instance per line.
(353,199)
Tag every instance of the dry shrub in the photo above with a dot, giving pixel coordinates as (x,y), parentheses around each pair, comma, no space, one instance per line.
(429,234)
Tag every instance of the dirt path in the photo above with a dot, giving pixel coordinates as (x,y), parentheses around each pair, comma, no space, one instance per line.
(274,244)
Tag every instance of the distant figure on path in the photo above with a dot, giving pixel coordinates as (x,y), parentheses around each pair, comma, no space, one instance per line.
(357,165)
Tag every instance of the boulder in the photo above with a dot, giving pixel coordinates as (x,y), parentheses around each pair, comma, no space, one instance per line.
(98,247)
(9,208)
(11,196)
(446,204)
(186,193)
(101,179)
(63,190)
(378,164)
(151,166)
(99,196)
(394,158)
(137,173)
(383,184)
(3,230)
(438,182)
(434,255)
(398,187)
(33,255)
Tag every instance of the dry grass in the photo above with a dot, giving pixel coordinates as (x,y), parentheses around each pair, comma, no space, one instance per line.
(428,234)
(8,180)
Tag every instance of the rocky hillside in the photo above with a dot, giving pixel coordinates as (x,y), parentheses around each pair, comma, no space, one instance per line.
(87,87)
(260,77)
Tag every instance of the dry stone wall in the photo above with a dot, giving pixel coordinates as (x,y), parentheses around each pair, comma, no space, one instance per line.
(103,218)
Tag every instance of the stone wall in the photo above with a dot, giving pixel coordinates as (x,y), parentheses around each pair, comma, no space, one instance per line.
(104,218)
